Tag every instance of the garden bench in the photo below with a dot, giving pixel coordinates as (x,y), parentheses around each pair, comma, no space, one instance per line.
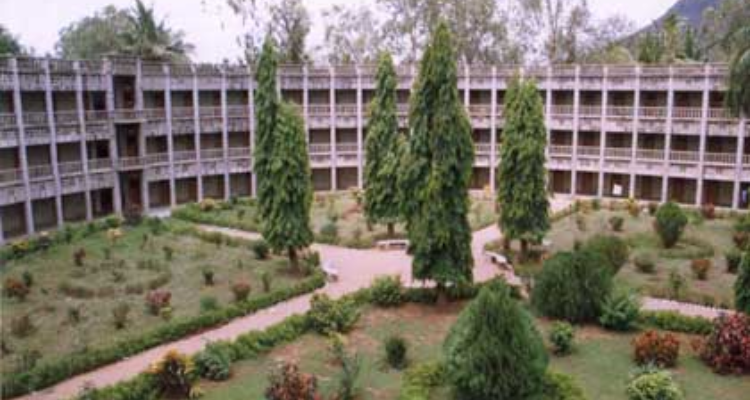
(497,258)
(393,244)
(331,272)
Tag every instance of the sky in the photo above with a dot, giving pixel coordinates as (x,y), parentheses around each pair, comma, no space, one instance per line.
(212,27)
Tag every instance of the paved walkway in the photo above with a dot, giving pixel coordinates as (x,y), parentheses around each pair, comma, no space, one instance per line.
(357,269)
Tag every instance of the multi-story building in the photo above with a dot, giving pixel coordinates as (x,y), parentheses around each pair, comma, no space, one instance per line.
(82,139)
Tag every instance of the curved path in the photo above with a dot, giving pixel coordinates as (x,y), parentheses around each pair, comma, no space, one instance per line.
(357,269)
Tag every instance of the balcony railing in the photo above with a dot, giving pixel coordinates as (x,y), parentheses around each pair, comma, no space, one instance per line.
(719,113)
(319,148)
(562,109)
(346,109)
(40,171)
(687,113)
(481,111)
(11,175)
(319,110)
(239,152)
(96,115)
(620,111)
(70,168)
(35,118)
(131,162)
(617,152)
(98,164)
(720,158)
(182,112)
(210,112)
(66,117)
(184,155)
(346,148)
(8,120)
(561,150)
(649,154)
(590,111)
(156,158)
(746,159)
(483,148)
(212,154)
(652,112)
(588,151)
(683,156)
(237,111)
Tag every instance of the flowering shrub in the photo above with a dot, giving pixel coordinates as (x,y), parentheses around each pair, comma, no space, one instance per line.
(652,348)
(174,374)
(15,288)
(241,290)
(727,348)
(157,299)
(288,383)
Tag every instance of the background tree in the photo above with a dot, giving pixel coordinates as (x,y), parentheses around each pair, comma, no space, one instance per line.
(494,351)
(290,24)
(9,44)
(352,35)
(148,38)
(742,285)
(670,31)
(437,170)
(266,104)
(522,177)
(650,48)
(738,95)
(383,149)
(286,224)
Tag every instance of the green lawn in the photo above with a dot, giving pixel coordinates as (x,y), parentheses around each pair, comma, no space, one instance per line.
(96,288)
(714,235)
(344,210)
(601,362)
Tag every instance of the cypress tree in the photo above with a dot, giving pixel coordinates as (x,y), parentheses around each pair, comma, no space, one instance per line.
(742,285)
(266,104)
(286,224)
(494,351)
(436,170)
(521,176)
(383,149)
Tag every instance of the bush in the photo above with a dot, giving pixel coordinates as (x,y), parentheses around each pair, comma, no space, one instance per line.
(208,276)
(420,379)
(670,223)
(673,321)
(727,348)
(652,348)
(79,256)
(395,351)
(708,211)
(653,385)
(156,300)
(386,291)
(327,316)
(653,207)
(676,283)
(620,311)
(213,363)
(329,233)
(15,288)
(288,383)
(561,336)
(616,223)
(28,278)
(742,285)
(209,303)
(241,291)
(559,386)
(351,366)
(168,253)
(644,262)
(573,286)
(614,250)
(260,249)
(174,374)
(120,315)
(700,268)
(494,330)
(266,279)
(733,259)
(22,326)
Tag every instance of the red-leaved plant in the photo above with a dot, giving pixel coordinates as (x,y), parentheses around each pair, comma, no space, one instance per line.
(727,348)
(288,383)
(660,350)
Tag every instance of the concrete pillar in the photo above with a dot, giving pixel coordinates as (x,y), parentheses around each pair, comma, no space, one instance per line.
(738,164)
(360,131)
(170,134)
(145,195)
(668,138)
(251,122)
(467,86)
(576,108)
(634,139)
(493,132)
(704,133)
(602,132)
(332,105)
(225,133)
(81,111)
(50,110)
(113,146)
(306,101)
(23,151)
(197,133)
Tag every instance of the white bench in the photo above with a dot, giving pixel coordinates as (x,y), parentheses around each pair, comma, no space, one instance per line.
(392,244)
(497,258)
(331,272)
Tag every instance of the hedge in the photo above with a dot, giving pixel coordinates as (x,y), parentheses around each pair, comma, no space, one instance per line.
(673,321)
(49,373)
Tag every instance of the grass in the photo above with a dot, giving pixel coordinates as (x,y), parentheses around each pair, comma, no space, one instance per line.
(100,285)
(344,210)
(709,238)
(601,362)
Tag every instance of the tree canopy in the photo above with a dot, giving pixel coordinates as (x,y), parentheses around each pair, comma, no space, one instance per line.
(9,44)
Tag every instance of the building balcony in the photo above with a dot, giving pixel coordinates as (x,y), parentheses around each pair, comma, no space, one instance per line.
(40,172)
(11,176)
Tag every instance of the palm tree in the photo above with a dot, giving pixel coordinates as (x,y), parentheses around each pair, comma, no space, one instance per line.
(148,38)
(738,94)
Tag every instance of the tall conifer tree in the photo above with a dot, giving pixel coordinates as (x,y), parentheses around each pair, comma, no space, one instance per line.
(521,178)
(437,170)
(383,149)
(266,104)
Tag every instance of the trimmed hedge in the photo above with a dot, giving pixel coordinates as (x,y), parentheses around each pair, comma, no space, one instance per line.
(672,321)
(47,374)
(193,213)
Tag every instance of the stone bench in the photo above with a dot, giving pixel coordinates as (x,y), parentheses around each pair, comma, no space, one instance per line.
(331,272)
(392,244)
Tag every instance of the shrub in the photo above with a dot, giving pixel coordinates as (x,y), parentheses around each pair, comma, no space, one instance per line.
(208,205)
(620,311)
(213,363)
(652,348)
(614,250)
(742,285)
(386,291)
(616,223)
(653,207)
(260,249)
(28,278)
(395,351)
(208,276)
(15,288)
(573,286)
(559,386)
(327,316)
(676,283)
(168,253)
(22,326)
(120,315)
(708,211)
(727,348)
(266,279)
(644,262)
(561,336)
(337,347)
(633,208)
(288,383)
(209,303)
(241,291)
(673,321)
(733,259)
(700,268)
(156,300)
(351,366)
(420,379)
(670,223)
(329,233)
(79,256)
(174,374)
(495,330)
(653,385)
